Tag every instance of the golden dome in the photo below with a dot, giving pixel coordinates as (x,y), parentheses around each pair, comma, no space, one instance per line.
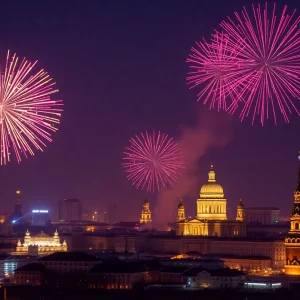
(146,203)
(181,205)
(211,189)
(241,205)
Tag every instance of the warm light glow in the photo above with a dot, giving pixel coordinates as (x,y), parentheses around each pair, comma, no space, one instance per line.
(292,270)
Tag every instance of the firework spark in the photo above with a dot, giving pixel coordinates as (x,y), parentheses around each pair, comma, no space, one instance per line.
(214,65)
(270,62)
(152,162)
(27,113)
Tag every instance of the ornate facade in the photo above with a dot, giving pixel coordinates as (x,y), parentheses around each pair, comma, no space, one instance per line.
(211,219)
(146,213)
(292,241)
(40,244)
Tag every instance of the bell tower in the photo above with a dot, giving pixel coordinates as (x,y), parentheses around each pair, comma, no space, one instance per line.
(180,212)
(240,214)
(292,241)
(146,213)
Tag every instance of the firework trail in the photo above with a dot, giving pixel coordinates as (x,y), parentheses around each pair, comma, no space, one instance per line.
(152,161)
(27,114)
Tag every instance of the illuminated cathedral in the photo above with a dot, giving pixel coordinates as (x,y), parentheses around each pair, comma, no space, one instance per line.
(40,244)
(211,218)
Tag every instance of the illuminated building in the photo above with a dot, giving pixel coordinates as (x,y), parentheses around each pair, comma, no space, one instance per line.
(40,244)
(292,241)
(146,213)
(211,219)
(40,217)
(69,210)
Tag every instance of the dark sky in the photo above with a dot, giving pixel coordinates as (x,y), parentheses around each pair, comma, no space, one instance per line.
(120,67)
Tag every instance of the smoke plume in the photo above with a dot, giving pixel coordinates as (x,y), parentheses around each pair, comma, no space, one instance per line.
(212,130)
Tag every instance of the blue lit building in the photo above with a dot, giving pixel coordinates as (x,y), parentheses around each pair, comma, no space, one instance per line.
(40,217)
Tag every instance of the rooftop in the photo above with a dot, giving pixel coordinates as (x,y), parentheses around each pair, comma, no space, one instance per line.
(225,272)
(119,267)
(262,208)
(69,256)
(33,267)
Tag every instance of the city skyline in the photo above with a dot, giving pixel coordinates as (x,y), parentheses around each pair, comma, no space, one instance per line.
(116,93)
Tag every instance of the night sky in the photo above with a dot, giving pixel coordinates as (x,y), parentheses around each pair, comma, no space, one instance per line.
(120,67)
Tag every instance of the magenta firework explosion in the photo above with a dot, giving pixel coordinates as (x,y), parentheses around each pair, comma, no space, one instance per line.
(270,72)
(262,69)
(152,162)
(214,66)
(27,114)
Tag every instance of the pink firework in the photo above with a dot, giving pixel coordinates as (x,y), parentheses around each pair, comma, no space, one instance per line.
(269,70)
(214,69)
(27,113)
(152,162)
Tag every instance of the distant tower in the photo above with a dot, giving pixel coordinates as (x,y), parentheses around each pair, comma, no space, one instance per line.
(180,212)
(180,221)
(146,213)
(18,207)
(240,216)
(292,241)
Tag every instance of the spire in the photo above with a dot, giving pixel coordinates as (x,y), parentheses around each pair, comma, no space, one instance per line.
(211,174)
(298,183)
(241,204)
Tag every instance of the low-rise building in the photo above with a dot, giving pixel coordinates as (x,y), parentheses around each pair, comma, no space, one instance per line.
(117,275)
(32,274)
(217,279)
(66,262)
(172,275)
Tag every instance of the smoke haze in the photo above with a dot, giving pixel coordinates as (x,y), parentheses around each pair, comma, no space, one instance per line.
(213,130)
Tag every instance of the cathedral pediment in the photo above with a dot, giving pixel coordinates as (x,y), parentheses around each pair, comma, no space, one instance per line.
(195,221)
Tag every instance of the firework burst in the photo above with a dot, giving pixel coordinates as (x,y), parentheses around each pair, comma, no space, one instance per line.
(270,69)
(152,162)
(27,113)
(213,65)
(258,68)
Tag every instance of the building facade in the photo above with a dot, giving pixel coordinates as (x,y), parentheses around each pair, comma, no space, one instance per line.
(69,210)
(211,218)
(40,244)
(40,217)
(262,215)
